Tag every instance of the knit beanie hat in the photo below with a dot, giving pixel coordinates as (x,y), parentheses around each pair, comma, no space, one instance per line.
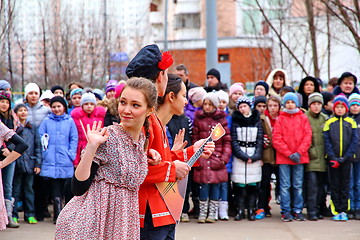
(223,96)
(60,100)
(291,96)
(31,87)
(196,94)
(327,97)
(148,62)
(341,99)
(236,87)
(4,84)
(54,88)
(320,82)
(88,98)
(111,85)
(264,84)
(5,95)
(260,99)
(241,100)
(214,73)
(118,90)
(213,97)
(346,75)
(18,106)
(315,97)
(76,91)
(48,94)
(100,93)
(354,98)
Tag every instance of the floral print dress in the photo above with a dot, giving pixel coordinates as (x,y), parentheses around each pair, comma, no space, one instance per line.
(110,208)
(5,135)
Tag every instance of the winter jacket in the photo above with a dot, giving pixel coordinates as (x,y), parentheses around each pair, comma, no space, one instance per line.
(190,111)
(110,119)
(219,86)
(12,123)
(337,90)
(317,149)
(270,81)
(357,120)
(37,114)
(213,169)
(246,142)
(179,122)
(341,138)
(78,114)
(268,155)
(292,133)
(60,152)
(31,158)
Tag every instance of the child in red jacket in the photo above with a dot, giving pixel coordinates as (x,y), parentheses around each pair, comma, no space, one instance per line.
(88,113)
(291,138)
(212,171)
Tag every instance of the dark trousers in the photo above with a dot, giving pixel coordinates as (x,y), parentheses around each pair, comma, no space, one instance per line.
(340,186)
(41,190)
(149,232)
(23,183)
(245,197)
(57,186)
(265,185)
(315,187)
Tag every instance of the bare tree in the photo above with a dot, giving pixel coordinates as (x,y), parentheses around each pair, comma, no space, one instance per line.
(349,15)
(310,17)
(22,50)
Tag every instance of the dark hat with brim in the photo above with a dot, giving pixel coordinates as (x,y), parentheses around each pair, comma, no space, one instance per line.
(347,75)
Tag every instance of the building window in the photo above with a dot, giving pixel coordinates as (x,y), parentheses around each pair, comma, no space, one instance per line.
(224,57)
(187,20)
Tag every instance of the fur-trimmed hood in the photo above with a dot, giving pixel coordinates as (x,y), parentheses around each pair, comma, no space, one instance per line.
(243,121)
(215,115)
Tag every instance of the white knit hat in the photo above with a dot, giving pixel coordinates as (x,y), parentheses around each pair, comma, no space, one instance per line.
(47,95)
(31,87)
(223,96)
(213,97)
(88,97)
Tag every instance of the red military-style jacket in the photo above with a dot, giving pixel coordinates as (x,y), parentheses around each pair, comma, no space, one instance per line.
(163,172)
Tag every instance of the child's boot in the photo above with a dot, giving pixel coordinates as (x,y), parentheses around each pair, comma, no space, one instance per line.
(57,207)
(357,214)
(223,210)
(240,208)
(9,208)
(212,211)
(203,211)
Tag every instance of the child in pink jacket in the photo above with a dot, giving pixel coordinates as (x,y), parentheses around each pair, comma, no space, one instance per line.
(88,113)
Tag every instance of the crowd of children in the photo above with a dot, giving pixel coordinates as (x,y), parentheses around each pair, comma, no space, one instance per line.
(308,140)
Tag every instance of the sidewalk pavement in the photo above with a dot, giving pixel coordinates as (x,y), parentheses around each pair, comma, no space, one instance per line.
(268,229)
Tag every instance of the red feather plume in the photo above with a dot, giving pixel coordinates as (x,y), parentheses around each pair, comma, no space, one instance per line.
(166,61)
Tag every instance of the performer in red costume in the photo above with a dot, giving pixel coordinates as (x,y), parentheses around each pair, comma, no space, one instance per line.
(155,219)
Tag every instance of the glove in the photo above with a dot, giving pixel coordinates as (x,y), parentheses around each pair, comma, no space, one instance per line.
(295,157)
(266,141)
(334,163)
(341,160)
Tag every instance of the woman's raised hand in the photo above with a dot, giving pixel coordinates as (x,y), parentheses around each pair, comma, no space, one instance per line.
(96,135)
(179,142)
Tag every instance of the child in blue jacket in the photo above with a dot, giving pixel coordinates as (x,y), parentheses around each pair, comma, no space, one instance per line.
(59,139)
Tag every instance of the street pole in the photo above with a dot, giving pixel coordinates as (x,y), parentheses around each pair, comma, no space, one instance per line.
(211,35)
(166,26)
